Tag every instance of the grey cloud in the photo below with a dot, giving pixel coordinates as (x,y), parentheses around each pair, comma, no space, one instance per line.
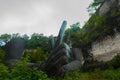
(41,16)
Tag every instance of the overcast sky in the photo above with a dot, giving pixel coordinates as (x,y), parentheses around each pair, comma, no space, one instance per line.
(40,16)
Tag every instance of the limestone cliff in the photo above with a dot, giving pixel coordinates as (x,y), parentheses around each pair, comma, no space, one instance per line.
(108,47)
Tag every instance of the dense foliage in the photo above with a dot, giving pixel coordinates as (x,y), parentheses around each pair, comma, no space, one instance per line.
(94,6)
(37,40)
(96,28)
(97,74)
(2,53)
(20,71)
(115,62)
(35,55)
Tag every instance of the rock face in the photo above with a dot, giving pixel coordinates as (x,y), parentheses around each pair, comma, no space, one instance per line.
(107,48)
(107,5)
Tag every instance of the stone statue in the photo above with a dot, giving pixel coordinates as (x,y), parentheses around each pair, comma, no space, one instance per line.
(14,51)
(62,59)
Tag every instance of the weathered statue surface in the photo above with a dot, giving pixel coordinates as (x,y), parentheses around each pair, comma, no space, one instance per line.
(14,51)
(62,59)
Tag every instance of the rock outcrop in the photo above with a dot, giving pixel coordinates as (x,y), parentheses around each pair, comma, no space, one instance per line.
(108,47)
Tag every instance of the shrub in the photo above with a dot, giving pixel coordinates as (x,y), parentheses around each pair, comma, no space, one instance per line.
(72,76)
(115,62)
(77,75)
(1,55)
(4,72)
(22,72)
(111,74)
(97,74)
(35,55)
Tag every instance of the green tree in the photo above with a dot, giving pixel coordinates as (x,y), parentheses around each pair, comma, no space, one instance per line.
(6,37)
(16,35)
(37,40)
(25,37)
(94,6)
(72,33)
(35,55)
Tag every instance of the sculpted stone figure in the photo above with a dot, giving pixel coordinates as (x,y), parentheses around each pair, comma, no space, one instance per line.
(14,51)
(62,59)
